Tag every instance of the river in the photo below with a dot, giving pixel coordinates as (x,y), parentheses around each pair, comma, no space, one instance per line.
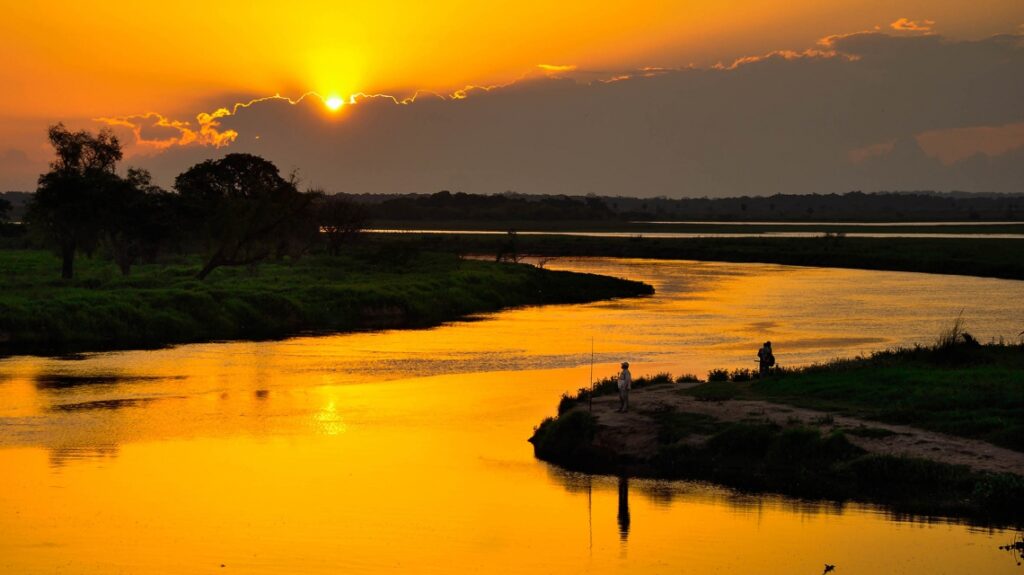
(405,451)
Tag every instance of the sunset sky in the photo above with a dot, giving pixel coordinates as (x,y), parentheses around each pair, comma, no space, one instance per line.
(639,98)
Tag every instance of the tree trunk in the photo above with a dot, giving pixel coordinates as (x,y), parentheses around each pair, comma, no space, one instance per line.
(67,254)
(211,265)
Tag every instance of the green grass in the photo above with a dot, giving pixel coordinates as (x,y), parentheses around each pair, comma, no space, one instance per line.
(964,389)
(607,386)
(674,426)
(158,304)
(974,391)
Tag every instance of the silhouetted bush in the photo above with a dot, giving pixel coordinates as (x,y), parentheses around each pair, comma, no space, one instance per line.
(718,375)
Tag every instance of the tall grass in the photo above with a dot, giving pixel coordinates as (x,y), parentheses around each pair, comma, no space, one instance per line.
(954,334)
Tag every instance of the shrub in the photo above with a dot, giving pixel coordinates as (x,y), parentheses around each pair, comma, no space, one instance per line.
(741,374)
(565,438)
(999,490)
(718,375)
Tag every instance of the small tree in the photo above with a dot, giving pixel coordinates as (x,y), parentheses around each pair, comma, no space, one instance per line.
(67,206)
(510,251)
(239,205)
(300,233)
(340,220)
(140,219)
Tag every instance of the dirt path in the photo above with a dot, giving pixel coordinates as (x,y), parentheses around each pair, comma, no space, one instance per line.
(636,433)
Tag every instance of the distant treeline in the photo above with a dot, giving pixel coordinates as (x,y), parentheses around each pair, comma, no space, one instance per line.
(852,206)
(514,207)
(849,207)
(13,205)
(446,206)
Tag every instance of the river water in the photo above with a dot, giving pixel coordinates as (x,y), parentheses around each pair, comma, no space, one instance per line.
(405,451)
(692,235)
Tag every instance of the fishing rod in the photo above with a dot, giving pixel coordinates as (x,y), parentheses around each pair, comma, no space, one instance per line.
(590,397)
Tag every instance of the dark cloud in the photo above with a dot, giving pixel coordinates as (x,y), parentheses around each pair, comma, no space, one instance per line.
(786,122)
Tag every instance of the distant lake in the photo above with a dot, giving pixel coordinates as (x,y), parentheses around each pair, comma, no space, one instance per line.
(405,451)
(739,233)
(837,224)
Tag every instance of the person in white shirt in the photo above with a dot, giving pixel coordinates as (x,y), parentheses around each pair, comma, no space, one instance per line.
(625,382)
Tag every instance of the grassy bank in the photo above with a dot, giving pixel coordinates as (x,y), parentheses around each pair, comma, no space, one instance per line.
(791,460)
(372,287)
(957,387)
(969,390)
(977,257)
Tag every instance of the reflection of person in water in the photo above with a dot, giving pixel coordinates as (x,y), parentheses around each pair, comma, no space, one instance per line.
(623,508)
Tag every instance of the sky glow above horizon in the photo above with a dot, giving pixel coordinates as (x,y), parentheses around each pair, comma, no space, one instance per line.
(185,67)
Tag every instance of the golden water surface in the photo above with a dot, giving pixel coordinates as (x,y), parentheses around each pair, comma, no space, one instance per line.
(405,451)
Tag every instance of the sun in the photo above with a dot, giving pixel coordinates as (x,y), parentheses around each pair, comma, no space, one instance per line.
(334,103)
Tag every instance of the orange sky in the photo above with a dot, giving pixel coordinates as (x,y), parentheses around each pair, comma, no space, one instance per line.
(80,59)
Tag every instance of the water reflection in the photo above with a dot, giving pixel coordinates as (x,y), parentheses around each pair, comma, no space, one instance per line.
(418,461)
(1016,548)
(103,404)
(58,381)
(60,456)
(623,515)
(65,381)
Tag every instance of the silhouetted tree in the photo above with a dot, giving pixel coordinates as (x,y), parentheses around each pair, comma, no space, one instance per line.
(239,204)
(7,229)
(340,220)
(66,208)
(140,218)
(510,251)
(300,233)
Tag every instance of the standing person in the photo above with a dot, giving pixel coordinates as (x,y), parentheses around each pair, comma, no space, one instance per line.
(625,382)
(765,359)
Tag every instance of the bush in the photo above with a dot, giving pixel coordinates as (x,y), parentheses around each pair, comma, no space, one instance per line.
(565,439)
(718,375)
(1000,490)
(741,374)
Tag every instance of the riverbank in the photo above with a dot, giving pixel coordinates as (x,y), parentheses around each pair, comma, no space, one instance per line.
(961,256)
(828,431)
(373,287)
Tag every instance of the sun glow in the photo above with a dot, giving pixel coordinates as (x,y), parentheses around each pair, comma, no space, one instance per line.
(334,103)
